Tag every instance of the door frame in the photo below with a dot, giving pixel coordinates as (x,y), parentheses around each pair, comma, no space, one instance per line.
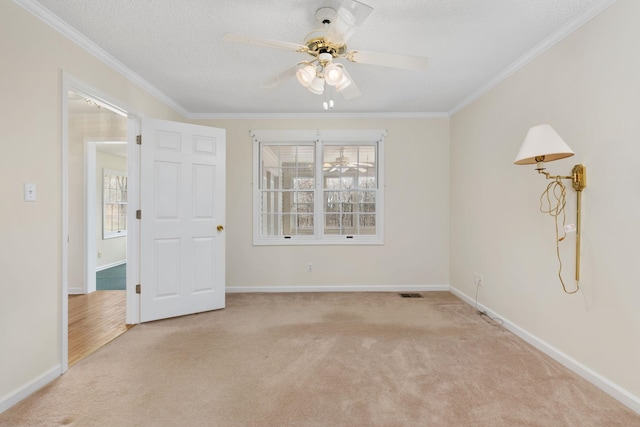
(89,264)
(70,83)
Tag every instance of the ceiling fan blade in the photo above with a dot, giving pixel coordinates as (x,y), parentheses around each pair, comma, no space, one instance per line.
(279,78)
(349,17)
(352,90)
(239,38)
(407,62)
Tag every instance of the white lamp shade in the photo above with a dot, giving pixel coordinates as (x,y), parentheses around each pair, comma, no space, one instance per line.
(306,75)
(542,143)
(317,86)
(333,74)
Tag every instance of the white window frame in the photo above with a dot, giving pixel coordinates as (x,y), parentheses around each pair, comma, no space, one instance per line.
(319,138)
(111,234)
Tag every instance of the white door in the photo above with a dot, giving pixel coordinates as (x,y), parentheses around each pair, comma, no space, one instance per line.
(182,175)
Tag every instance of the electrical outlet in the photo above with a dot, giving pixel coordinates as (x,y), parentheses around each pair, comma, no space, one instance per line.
(478,280)
(309,267)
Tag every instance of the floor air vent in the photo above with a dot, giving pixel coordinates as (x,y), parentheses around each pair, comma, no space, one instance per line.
(410,295)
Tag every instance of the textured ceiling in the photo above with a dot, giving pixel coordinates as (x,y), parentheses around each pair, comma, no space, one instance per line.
(176,46)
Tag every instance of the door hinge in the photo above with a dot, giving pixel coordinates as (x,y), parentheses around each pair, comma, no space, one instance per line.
(138,214)
(138,289)
(139,139)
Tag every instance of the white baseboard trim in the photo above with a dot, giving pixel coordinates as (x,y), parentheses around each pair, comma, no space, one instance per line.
(13,397)
(113,264)
(623,396)
(337,288)
(75,290)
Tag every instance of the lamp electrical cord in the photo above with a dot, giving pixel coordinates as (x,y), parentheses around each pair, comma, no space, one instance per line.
(556,201)
(494,321)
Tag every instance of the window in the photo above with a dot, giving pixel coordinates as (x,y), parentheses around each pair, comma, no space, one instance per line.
(318,187)
(114,203)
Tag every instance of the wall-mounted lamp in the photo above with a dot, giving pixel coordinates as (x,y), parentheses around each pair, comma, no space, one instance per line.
(543,144)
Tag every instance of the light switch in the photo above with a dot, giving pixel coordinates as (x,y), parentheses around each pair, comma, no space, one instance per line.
(29,192)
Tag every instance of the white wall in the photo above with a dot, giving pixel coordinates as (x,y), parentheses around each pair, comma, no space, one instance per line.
(588,88)
(34,57)
(416,213)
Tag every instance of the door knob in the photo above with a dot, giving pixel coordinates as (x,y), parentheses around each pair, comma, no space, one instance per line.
(220,228)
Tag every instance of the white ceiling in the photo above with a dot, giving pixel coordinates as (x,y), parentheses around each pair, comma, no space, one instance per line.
(176,47)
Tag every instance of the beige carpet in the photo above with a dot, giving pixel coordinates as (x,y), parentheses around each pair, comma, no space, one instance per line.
(330,359)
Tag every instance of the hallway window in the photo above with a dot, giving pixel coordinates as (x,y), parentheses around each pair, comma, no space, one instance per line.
(114,196)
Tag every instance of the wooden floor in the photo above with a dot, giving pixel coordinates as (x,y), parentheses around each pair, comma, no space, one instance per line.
(94,320)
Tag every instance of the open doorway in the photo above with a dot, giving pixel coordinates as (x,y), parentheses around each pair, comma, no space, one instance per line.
(97,210)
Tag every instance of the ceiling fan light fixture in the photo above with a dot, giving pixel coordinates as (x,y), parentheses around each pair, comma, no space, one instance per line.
(306,75)
(316,86)
(333,73)
(326,43)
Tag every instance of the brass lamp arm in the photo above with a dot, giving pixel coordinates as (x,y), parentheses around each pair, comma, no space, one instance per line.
(578,177)
(549,176)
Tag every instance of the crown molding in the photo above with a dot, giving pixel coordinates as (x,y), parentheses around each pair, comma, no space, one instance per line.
(315,116)
(62,27)
(542,47)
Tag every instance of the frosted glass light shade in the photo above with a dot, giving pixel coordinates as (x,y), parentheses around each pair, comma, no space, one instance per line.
(333,74)
(317,86)
(306,75)
(542,144)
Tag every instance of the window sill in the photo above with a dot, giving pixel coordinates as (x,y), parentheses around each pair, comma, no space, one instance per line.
(302,241)
(114,235)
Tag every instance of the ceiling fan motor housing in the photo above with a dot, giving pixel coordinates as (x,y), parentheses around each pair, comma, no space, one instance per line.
(320,45)
(316,41)
(325,15)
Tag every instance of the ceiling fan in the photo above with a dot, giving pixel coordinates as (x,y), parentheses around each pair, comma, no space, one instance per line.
(327,44)
(343,164)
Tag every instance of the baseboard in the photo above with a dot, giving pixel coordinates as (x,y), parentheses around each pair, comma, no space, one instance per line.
(11,398)
(75,290)
(623,396)
(113,264)
(337,288)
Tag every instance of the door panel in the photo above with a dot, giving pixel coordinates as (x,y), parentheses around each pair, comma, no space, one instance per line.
(182,200)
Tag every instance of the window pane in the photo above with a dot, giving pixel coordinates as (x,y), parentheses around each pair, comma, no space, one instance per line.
(305,223)
(114,203)
(288,168)
(297,224)
(270,177)
(367,207)
(332,201)
(122,217)
(367,224)
(347,171)
(332,223)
